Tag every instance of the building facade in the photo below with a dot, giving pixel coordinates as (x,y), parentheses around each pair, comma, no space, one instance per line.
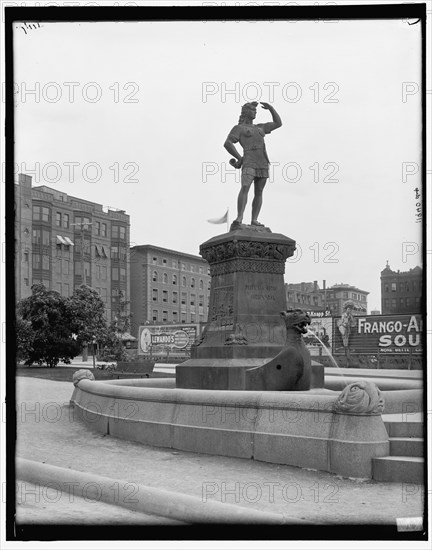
(167,287)
(335,297)
(64,241)
(401,291)
(306,296)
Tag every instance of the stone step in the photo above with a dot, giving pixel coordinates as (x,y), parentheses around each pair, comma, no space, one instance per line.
(406,446)
(404,429)
(407,469)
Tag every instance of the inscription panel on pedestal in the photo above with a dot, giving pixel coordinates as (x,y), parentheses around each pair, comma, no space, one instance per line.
(221,309)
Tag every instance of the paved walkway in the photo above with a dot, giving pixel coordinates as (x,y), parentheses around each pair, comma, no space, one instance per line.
(49,433)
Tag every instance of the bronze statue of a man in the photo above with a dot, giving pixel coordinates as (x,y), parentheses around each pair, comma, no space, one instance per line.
(255,162)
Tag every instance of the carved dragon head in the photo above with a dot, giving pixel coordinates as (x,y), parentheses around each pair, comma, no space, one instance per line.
(296,319)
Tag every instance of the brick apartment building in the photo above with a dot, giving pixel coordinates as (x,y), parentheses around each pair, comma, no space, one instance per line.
(64,241)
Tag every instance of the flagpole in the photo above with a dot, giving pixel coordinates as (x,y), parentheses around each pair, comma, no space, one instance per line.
(227,219)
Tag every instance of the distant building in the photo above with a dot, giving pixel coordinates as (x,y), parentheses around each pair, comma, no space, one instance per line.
(336,295)
(64,241)
(306,296)
(375,312)
(401,291)
(168,286)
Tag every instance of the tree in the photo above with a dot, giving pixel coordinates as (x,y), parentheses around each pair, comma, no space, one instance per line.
(87,311)
(119,325)
(44,328)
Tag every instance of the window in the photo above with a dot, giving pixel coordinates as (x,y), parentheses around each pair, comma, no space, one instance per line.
(114,253)
(104,294)
(407,287)
(183,298)
(103,272)
(58,288)
(155,295)
(209,285)
(58,222)
(164,295)
(407,302)
(164,316)
(174,264)
(183,281)
(201,284)
(118,232)
(59,268)
(26,282)
(45,262)
(386,302)
(345,295)
(77,268)
(201,301)
(66,290)
(41,213)
(155,276)
(193,268)
(174,316)
(192,300)
(122,275)
(386,288)
(164,261)
(97,228)
(201,270)
(174,297)
(115,273)
(192,282)
(103,230)
(174,279)
(165,278)
(393,303)
(36,261)
(66,221)
(155,315)
(26,256)
(183,266)
(393,287)
(183,317)
(154,259)
(401,302)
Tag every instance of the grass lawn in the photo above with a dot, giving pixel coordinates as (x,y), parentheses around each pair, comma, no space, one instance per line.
(64,374)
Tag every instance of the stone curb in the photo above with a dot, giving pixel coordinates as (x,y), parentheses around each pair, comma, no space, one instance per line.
(144,499)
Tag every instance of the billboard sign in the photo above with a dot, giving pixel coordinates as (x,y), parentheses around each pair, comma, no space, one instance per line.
(321,327)
(400,334)
(175,339)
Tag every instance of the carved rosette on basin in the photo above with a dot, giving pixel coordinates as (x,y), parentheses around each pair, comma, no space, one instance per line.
(82,374)
(360,398)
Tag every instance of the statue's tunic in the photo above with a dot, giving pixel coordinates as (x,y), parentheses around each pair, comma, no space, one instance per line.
(251,138)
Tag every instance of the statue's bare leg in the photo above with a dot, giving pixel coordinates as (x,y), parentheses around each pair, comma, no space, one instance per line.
(246,182)
(257,201)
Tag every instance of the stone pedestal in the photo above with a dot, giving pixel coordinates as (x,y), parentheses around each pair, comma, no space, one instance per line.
(244,328)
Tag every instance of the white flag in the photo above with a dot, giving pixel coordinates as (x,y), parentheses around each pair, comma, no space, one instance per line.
(224,219)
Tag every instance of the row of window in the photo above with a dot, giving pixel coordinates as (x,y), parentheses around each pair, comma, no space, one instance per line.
(403,302)
(164,316)
(175,265)
(175,297)
(403,287)
(174,279)
(42,213)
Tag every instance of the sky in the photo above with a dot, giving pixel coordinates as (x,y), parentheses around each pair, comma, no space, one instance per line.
(134,115)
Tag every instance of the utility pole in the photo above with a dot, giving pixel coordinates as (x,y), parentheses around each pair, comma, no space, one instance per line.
(83,277)
(82,224)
